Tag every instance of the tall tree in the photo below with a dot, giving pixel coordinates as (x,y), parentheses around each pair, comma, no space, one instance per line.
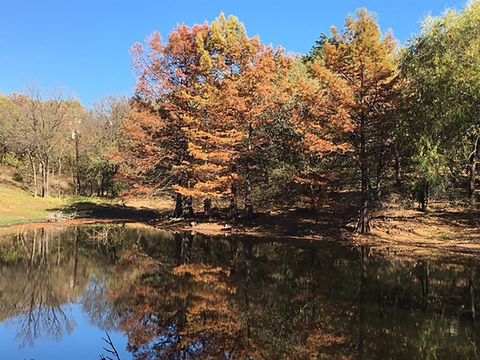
(42,124)
(441,69)
(365,59)
(322,101)
(240,88)
(101,167)
(166,74)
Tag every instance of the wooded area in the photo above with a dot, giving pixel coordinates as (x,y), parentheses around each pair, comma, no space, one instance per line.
(220,119)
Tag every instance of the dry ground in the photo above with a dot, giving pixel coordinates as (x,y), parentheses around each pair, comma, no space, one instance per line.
(401,232)
(443,227)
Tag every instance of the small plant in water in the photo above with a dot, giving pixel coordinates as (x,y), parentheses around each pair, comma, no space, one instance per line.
(109,349)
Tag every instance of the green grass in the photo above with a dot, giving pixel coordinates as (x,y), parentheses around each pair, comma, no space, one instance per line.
(19,207)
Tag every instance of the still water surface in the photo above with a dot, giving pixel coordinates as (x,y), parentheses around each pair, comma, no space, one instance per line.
(183,296)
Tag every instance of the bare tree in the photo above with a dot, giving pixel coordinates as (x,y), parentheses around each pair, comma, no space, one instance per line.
(39,127)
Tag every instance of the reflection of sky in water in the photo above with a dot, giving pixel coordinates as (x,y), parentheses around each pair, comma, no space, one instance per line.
(84,342)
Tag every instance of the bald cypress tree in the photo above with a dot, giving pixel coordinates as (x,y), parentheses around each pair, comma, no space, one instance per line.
(365,59)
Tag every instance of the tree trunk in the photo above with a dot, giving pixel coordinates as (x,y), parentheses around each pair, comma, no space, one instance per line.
(471,286)
(77,165)
(363,225)
(424,196)
(102,186)
(248,198)
(233,211)
(378,188)
(188,211)
(45,178)
(379,177)
(178,206)
(34,172)
(473,173)
(51,174)
(398,169)
(248,180)
(207,207)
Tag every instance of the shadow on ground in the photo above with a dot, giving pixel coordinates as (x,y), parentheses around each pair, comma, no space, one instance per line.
(91,210)
(467,217)
(329,222)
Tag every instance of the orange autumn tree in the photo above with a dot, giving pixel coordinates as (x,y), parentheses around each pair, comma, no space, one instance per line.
(207,104)
(262,92)
(239,88)
(365,59)
(320,115)
(156,148)
(213,133)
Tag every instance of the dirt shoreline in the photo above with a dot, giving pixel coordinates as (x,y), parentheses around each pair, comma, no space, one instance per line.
(400,233)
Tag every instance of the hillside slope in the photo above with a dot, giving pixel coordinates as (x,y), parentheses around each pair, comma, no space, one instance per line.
(18,206)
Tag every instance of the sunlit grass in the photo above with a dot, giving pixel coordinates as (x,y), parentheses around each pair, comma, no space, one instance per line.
(18,206)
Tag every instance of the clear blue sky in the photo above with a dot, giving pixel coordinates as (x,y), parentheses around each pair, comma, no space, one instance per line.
(82,46)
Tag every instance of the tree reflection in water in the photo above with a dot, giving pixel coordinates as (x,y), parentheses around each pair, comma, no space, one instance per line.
(182,296)
(35,290)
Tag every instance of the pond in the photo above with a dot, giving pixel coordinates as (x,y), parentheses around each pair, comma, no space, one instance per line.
(79,292)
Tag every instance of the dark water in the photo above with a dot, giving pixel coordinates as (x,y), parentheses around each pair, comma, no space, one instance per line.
(165,295)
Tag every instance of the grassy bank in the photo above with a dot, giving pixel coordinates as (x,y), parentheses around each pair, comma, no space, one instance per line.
(18,206)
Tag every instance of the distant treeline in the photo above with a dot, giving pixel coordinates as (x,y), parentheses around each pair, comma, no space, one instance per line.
(56,143)
(219,117)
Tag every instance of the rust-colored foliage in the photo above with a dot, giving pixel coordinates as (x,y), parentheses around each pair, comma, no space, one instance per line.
(157,143)
(240,87)
(206,99)
(365,60)
(193,310)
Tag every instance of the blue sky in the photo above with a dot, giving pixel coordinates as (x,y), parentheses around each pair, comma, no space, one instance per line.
(82,46)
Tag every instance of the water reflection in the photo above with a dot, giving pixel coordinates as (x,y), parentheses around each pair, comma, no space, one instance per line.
(182,296)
